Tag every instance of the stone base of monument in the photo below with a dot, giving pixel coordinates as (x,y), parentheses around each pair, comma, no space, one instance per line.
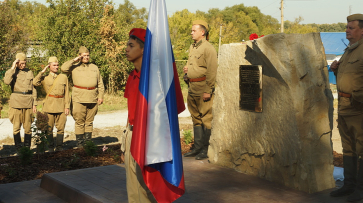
(286,137)
(92,185)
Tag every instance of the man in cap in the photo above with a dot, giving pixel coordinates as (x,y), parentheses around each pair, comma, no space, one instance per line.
(23,99)
(137,191)
(349,72)
(87,93)
(201,70)
(56,103)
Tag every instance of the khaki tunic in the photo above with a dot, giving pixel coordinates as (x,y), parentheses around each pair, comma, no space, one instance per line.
(21,81)
(350,80)
(202,62)
(20,111)
(84,75)
(84,101)
(350,110)
(52,104)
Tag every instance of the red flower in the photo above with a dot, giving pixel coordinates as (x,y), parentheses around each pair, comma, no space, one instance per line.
(253,36)
(262,36)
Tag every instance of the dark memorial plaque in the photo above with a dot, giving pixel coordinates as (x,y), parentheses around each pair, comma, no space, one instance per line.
(250,86)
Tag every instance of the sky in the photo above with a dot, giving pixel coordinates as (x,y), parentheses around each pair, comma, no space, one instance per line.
(312,11)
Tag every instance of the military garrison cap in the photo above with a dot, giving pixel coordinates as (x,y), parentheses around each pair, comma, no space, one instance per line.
(139,33)
(20,56)
(82,50)
(353,17)
(201,22)
(53,59)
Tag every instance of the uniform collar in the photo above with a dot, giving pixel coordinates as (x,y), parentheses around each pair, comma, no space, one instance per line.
(198,43)
(355,45)
(137,74)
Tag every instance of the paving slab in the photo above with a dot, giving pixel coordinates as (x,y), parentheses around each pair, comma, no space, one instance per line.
(204,182)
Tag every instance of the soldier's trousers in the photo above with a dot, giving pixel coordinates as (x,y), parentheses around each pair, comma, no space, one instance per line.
(84,114)
(201,111)
(351,133)
(20,117)
(59,119)
(137,191)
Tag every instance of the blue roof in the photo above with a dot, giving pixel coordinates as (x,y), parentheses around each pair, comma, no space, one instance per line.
(333,42)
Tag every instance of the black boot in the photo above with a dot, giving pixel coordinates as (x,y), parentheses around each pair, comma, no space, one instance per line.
(204,153)
(50,143)
(198,142)
(59,142)
(88,137)
(350,174)
(80,140)
(358,192)
(27,140)
(17,141)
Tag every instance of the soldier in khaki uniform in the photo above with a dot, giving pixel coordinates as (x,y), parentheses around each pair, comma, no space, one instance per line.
(201,70)
(87,93)
(349,72)
(56,103)
(22,102)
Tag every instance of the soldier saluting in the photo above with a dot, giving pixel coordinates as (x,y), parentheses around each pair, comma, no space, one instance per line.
(56,103)
(87,93)
(23,99)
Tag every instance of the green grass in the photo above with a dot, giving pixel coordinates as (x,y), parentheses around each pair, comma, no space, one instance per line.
(113,102)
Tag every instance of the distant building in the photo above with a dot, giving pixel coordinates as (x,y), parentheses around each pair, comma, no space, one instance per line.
(34,49)
(334,45)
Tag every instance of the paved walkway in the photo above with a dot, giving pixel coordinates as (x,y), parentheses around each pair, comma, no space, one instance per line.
(102,120)
(204,182)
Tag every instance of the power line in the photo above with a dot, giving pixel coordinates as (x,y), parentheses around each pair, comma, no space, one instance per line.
(269,4)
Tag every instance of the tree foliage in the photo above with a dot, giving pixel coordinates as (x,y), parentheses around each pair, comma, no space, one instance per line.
(62,26)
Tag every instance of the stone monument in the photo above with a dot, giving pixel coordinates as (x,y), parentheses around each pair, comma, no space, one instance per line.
(289,141)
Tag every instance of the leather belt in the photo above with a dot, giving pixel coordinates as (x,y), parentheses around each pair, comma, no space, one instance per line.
(342,94)
(28,92)
(197,79)
(56,96)
(85,88)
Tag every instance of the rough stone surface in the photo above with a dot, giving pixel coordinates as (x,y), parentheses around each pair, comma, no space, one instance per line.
(290,141)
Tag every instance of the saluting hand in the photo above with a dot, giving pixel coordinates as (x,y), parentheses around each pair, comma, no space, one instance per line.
(15,64)
(78,58)
(334,66)
(45,69)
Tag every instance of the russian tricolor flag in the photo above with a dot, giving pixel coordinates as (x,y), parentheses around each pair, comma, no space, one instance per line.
(155,142)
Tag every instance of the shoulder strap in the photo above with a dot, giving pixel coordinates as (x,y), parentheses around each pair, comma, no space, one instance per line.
(51,88)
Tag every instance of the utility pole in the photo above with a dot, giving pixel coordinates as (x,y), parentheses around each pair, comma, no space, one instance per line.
(220,39)
(350,10)
(282,16)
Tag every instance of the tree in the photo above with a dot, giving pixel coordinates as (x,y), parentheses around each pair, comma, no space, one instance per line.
(296,27)
(117,67)
(13,36)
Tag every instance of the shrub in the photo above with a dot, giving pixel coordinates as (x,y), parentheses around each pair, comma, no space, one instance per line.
(25,155)
(41,130)
(90,148)
(188,138)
